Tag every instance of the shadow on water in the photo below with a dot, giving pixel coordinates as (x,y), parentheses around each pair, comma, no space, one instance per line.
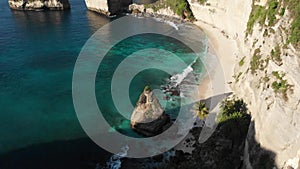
(96,20)
(40,19)
(76,154)
(224,149)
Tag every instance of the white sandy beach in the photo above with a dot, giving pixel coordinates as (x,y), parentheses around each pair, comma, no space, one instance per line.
(222,47)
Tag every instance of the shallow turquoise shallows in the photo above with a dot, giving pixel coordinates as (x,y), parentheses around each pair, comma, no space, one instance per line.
(38,51)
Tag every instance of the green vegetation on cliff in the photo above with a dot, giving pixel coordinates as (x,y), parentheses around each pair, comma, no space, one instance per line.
(294,7)
(261,14)
(202,1)
(266,16)
(272,11)
(280,85)
(242,61)
(232,109)
(258,15)
(180,7)
(275,55)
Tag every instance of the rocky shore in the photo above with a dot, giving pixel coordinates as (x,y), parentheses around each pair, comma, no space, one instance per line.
(226,25)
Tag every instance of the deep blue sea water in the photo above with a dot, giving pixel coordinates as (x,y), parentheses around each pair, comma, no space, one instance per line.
(38,51)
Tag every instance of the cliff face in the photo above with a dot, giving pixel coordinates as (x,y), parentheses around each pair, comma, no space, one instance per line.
(268,79)
(39,4)
(108,7)
(230,18)
(266,74)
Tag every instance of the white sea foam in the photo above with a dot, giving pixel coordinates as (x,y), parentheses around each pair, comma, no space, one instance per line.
(178,78)
(167,22)
(172,24)
(115,160)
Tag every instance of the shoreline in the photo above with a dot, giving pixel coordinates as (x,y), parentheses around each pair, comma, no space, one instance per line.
(220,46)
(215,40)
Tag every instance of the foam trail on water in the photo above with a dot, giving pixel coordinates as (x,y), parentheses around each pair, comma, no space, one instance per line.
(167,22)
(172,24)
(178,78)
(115,160)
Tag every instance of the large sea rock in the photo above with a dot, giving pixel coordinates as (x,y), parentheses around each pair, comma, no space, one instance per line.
(148,117)
(39,4)
(108,7)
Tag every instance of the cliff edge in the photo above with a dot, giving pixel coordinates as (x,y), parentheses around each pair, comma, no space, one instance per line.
(260,39)
(257,43)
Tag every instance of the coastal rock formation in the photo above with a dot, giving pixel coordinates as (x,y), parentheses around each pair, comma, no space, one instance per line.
(274,108)
(149,118)
(138,9)
(108,7)
(223,149)
(266,71)
(39,4)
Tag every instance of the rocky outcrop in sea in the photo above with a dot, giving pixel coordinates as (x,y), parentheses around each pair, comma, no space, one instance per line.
(148,117)
(109,7)
(39,4)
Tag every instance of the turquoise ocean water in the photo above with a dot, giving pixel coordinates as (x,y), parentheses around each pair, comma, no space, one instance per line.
(38,51)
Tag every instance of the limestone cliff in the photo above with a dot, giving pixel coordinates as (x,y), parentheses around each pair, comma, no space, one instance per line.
(39,4)
(266,74)
(108,7)
(269,81)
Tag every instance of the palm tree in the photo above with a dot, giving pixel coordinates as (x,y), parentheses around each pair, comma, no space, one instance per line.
(201,110)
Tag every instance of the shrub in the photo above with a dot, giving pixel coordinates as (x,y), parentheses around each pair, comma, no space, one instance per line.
(255,61)
(276,74)
(280,85)
(275,55)
(258,14)
(295,29)
(232,109)
(282,11)
(202,1)
(294,7)
(273,5)
(242,61)
(236,77)
(235,115)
